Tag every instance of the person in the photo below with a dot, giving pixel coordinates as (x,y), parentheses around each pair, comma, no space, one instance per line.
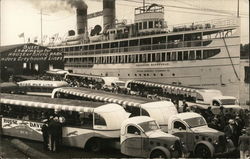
(222,119)
(55,129)
(176,106)
(208,115)
(45,134)
(185,106)
(244,144)
(214,123)
(230,131)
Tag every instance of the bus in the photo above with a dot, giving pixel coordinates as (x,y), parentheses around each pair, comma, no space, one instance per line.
(87,124)
(137,106)
(55,74)
(40,87)
(198,98)
(90,81)
(10,87)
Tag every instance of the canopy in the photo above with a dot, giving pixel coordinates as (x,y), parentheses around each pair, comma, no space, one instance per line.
(167,86)
(103,96)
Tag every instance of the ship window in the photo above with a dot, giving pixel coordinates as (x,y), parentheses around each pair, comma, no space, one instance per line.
(71,48)
(135,74)
(145,25)
(156,24)
(168,56)
(133,42)
(143,57)
(139,74)
(149,57)
(123,43)
(128,74)
(140,25)
(66,49)
(154,74)
(98,46)
(86,47)
(140,58)
(173,58)
(198,55)
(136,58)
(150,24)
(157,57)
(163,56)
(185,57)
(105,45)
(161,74)
(114,45)
(77,48)
(179,56)
(145,41)
(210,53)
(153,57)
(191,55)
(91,47)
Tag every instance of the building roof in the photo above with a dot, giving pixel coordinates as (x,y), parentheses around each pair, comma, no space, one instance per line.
(9,47)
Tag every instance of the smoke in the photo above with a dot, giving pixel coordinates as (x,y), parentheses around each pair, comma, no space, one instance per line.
(58,5)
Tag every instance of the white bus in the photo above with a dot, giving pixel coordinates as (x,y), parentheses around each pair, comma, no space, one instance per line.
(40,87)
(137,106)
(90,81)
(90,125)
(87,124)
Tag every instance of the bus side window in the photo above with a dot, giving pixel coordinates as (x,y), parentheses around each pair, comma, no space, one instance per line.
(99,120)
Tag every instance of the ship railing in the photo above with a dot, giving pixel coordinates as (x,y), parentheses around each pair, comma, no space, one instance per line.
(211,24)
(170,45)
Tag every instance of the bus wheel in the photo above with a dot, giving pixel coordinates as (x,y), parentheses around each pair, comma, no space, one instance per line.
(95,145)
(202,151)
(158,154)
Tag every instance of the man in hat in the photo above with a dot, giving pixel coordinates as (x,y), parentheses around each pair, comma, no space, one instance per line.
(244,144)
(45,134)
(185,106)
(230,131)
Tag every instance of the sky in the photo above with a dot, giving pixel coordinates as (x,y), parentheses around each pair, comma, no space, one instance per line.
(24,16)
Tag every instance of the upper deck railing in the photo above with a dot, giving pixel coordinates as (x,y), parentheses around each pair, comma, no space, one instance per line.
(153,8)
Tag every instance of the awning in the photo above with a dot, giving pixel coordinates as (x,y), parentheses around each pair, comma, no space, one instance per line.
(97,97)
(46,105)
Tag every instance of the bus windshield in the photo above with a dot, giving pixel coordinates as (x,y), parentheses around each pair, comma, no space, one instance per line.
(149,126)
(228,101)
(196,122)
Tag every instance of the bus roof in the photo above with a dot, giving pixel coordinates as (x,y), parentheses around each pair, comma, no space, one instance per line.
(44,102)
(125,100)
(165,86)
(43,83)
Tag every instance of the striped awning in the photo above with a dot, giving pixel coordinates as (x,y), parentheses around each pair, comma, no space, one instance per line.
(46,105)
(97,97)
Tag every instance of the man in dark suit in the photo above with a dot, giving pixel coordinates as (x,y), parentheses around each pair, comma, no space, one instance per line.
(231,132)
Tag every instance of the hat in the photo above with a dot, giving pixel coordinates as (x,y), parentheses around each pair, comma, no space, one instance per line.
(231,121)
(45,120)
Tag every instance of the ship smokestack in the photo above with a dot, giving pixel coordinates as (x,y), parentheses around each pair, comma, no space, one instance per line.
(108,13)
(81,18)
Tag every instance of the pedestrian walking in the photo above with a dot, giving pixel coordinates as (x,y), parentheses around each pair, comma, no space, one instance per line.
(185,106)
(45,134)
(230,132)
(55,134)
(244,144)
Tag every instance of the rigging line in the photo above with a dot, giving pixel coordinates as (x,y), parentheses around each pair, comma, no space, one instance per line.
(230,59)
(190,8)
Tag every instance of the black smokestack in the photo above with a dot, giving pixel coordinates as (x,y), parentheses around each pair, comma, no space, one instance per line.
(108,13)
(81,20)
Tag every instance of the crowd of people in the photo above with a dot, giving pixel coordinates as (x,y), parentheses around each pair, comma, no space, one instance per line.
(235,124)
(52,132)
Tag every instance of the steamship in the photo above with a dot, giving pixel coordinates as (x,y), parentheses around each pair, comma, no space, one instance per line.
(200,54)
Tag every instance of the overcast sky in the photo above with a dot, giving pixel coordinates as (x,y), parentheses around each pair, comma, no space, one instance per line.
(23,16)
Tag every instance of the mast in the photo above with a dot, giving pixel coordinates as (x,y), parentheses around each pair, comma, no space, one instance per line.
(238,8)
(143,5)
(41,12)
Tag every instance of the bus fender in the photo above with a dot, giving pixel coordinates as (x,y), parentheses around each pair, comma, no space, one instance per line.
(206,143)
(163,149)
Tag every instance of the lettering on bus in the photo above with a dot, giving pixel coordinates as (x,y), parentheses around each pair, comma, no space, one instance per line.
(9,122)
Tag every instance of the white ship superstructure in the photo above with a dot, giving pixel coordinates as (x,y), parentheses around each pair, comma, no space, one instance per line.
(200,54)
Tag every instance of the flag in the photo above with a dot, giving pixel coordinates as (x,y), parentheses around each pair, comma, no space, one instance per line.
(21,35)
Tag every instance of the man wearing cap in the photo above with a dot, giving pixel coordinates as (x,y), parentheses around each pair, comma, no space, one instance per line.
(244,144)
(230,131)
(45,134)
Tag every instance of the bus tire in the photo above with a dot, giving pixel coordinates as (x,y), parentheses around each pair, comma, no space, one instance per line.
(159,154)
(94,145)
(202,151)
